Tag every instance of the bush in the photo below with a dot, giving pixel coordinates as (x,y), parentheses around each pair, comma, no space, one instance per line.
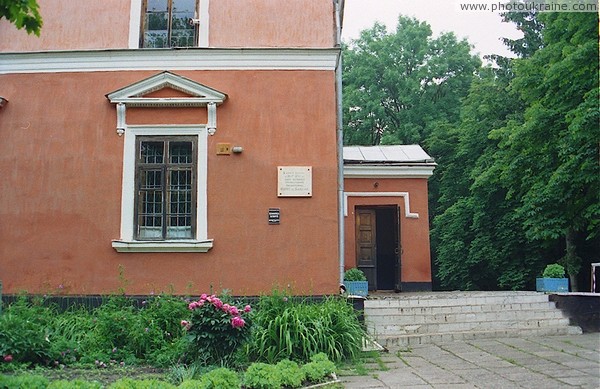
(221,378)
(354,274)
(554,271)
(128,383)
(24,329)
(74,384)
(23,382)
(291,374)
(319,368)
(215,330)
(298,330)
(262,376)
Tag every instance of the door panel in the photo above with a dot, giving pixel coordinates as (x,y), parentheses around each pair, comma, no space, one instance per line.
(366,250)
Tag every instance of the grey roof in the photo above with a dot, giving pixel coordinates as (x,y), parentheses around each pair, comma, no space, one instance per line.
(386,154)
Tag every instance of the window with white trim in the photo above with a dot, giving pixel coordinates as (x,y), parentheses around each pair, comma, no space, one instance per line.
(169,23)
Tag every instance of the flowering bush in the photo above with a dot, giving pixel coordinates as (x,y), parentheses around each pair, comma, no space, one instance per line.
(215,330)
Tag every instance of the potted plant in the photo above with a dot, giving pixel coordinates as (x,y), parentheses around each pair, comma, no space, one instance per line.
(356,283)
(553,279)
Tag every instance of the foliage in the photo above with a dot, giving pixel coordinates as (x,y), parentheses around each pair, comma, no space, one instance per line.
(74,384)
(23,14)
(288,329)
(25,381)
(262,376)
(128,383)
(24,331)
(220,378)
(216,329)
(354,274)
(318,368)
(291,374)
(554,270)
(398,87)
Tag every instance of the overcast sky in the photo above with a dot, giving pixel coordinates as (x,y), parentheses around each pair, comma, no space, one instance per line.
(481,29)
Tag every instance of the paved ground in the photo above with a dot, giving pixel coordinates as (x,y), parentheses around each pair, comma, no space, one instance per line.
(571,361)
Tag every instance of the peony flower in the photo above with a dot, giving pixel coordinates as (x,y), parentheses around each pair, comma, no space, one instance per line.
(247,308)
(234,311)
(226,307)
(237,322)
(193,305)
(217,303)
(184,323)
(8,358)
(203,296)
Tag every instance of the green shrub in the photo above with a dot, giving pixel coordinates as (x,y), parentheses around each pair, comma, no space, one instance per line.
(299,329)
(128,383)
(291,374)
(554,271)
(24,381)
(319,368)
(221,378)
(74,384)
(191,384)
(216,330)
(262,376)
(354,274)
(24,329)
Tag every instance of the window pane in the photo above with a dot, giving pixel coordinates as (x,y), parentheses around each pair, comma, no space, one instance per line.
(152,152)
(182,32)
(188,6)
(180,152)
(156,24)
(150,199)
(180,204)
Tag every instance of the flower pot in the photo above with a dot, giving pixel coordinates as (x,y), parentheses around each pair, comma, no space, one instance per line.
(357,288)
(552,284)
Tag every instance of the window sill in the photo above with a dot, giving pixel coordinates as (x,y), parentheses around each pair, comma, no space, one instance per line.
(171,246)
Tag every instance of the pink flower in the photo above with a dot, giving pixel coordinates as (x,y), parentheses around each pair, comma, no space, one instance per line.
(8,358)
(234,311)
(193,305)
(203,296)
(217,303)
(225,307)
(247,308)
(184,323)
(237,322)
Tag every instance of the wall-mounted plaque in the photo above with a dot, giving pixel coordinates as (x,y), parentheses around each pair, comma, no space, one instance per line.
(294,181)
(274,215)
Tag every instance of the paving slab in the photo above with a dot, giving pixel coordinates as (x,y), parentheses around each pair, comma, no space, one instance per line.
(560,361)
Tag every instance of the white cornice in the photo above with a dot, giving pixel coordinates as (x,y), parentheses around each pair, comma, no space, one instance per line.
(171,59)
(388,171)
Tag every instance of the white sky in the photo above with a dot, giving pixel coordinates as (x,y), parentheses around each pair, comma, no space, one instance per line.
(482,29)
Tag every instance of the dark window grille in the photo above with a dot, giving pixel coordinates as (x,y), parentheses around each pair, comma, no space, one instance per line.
(166,187)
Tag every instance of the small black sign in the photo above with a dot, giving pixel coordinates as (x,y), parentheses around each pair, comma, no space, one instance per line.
(273,215)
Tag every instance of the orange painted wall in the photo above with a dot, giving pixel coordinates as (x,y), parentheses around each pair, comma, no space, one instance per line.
(61,166)
(72,25)
(271,23)
(414,233)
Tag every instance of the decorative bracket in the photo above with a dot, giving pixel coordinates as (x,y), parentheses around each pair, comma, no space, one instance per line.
(121,123)
(211,126)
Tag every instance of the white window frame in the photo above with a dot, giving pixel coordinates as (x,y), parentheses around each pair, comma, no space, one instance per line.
(127,243)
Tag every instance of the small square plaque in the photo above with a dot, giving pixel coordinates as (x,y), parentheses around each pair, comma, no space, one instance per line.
(294,181)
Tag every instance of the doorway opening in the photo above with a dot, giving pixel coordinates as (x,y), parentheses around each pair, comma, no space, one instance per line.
(378,245)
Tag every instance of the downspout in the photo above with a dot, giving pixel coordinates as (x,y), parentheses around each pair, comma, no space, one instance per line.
(339,14)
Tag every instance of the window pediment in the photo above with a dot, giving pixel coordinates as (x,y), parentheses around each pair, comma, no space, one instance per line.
(144,93)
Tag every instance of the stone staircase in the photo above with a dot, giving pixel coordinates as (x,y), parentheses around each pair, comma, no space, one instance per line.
(406,319)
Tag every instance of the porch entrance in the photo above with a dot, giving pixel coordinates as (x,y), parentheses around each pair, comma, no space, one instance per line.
(378,247)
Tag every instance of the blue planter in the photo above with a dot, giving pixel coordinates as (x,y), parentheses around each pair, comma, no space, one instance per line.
(552,284)
(357,288)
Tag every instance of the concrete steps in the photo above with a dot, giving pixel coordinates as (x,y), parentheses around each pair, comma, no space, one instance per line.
(418,318)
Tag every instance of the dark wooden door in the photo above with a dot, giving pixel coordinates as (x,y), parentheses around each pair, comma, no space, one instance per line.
(366,245)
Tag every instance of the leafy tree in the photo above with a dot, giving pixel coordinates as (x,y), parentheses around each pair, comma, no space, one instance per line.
(23,14)
(399,87)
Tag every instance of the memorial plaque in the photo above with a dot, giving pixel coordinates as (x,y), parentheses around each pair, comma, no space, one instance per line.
(274,215)
(294,181)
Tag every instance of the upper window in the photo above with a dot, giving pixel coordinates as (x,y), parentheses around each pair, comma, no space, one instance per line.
(168,23)
(165,200)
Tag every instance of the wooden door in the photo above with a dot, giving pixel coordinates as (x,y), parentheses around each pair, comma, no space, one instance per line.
(366,248)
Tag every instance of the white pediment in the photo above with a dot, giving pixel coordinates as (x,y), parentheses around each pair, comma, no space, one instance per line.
(142,93)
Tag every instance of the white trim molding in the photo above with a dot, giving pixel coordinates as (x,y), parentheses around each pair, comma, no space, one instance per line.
(172,59)
(182,246)
(404,195)
(389,171)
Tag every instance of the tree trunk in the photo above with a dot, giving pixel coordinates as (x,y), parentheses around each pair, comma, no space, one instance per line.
(572,261)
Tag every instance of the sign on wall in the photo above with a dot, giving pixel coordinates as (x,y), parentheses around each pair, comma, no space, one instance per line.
(294,181)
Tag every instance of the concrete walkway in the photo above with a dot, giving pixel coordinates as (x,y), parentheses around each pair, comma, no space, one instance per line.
(570,361)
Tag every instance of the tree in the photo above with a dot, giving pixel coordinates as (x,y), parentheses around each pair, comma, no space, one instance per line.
(550,161)
(399,87)
(23,14)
